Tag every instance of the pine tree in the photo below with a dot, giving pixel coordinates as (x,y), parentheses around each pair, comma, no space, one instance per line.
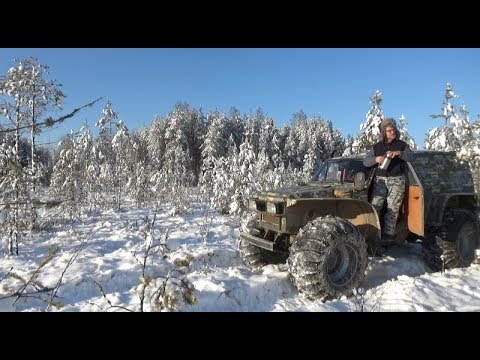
(293,154)
(329,142)
(252,129)
(212,149)
(32,94)
(176,173)
(309,165)
(244,178)
(278,144)
(403,130)
(470,150)
(122,148)
(13,193)
(156,146)
(224,178)
(194,128)
(66,184)
(265,140)
(221,179)
(27,95)
(105,153)
(348,146)
(371,127)
(235,126)
(457,134)
(138,185)
(448,137)
(85,153)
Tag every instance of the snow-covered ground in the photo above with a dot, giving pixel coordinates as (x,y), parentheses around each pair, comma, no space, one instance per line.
(193,265)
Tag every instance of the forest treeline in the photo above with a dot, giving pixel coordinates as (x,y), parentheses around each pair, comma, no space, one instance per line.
(219,157)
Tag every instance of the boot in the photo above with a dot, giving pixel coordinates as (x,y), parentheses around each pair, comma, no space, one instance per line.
(388,239)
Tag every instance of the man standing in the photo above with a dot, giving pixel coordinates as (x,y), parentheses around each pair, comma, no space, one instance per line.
(389,181)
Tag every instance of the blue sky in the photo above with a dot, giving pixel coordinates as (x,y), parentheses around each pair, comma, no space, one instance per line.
(334,83)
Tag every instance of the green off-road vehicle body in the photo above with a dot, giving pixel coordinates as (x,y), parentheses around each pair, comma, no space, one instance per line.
(325,227)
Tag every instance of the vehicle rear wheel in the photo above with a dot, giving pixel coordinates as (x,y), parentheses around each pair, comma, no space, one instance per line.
(328,258)
(454,244)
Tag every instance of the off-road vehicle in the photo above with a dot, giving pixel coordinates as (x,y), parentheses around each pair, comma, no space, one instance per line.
(324,228)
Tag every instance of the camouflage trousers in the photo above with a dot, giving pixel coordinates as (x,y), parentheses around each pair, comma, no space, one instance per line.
(390,189)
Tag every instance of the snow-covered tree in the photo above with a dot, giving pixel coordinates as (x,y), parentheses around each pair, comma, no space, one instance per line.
(138,184)
(14,196)
(26,94)
(176,173)
(457,134)
(278,144)
(195,132)
(155,139)
(244,178)
(403,132)
(213,148)
(370,129)
(106,154)
(221,185)
(223,178)
(262,170)
(348,145)
(450,136)
(38,95)
(470,150)
(106,124)
(88,167)
(309,165)
(266,138)
(122,149)
(235,126)
(252,129)
(294,152)
(328,142)
(67,178)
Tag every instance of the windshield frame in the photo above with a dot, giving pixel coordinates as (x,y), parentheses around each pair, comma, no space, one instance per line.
(340,170)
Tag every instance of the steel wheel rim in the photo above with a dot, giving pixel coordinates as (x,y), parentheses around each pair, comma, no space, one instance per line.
(342,264)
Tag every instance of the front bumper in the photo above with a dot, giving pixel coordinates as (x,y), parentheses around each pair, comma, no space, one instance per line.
(263,243)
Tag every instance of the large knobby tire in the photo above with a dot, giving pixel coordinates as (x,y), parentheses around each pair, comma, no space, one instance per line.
(328,259)
(454,243)
(253,256)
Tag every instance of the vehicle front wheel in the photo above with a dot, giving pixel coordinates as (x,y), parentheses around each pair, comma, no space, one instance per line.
(328,258)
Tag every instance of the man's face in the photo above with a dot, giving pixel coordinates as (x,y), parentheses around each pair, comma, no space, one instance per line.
(390,132)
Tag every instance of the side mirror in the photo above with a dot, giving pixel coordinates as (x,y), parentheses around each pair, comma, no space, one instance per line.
(359,181)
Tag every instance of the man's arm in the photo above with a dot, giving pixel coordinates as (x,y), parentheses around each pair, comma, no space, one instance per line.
(369,159)
(407,154)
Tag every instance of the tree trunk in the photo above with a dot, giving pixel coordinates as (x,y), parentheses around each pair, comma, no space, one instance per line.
(32,133)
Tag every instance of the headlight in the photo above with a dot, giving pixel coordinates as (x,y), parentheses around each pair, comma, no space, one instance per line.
(252,205)
(271,208)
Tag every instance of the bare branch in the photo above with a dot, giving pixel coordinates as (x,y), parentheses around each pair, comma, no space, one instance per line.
(8,273)
(70,262)
(44,262)
(49,122)
(49,203)
(106,298)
